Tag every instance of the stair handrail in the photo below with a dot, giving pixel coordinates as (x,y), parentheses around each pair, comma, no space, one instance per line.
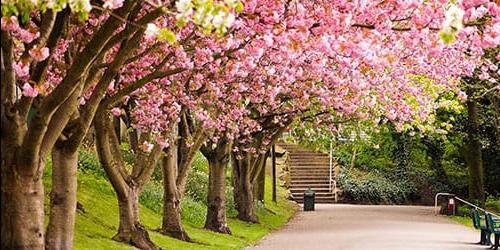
(459,199)
(330,156)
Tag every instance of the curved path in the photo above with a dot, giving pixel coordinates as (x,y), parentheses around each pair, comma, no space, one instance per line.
(339,226)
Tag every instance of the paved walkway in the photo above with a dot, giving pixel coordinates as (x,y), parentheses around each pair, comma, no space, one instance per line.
(338,227)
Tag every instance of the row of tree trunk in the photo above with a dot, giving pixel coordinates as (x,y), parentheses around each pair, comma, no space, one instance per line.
(175,163)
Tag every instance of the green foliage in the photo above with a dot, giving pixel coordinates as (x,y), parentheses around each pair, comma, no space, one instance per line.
(493,204)
(230,208)
(88,162)
(152,196)
(197,183)
(373,189)
(127,154)
(447,37)
(167,35)
(193,211)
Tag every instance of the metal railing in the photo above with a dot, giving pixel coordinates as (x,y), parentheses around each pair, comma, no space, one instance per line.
(330,155)
(333,183)
(436,210)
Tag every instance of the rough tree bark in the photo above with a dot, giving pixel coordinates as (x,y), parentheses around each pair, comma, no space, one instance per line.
(171,224)
(218,158)
(175,173)
(260,183)
(247,166)
(243,188)
(22,164)
(474,154)
(62,198)
(130,229)
(22,208)
(126,185)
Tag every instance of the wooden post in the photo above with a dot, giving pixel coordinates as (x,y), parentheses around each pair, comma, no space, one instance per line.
(273,172)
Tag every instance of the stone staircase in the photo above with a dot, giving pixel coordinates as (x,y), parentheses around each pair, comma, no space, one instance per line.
(309,169)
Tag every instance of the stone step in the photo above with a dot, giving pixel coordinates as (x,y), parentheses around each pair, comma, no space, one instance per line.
(300,159)
(312,182)
(317,200)
(317,195)
(311,185)
(309,168)
(310,177)
(320,174)
(309,164)
(303,168)
(307,153)
(310,161)
(318,190)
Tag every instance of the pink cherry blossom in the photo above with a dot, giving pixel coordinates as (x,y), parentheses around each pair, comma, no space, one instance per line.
(112,4)
(9,23)
(39,54)
(21,69)
(29,91)
(147,147)
(116,111)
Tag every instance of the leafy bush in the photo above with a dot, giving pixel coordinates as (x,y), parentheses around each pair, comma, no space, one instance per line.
(127,153)
(230,208)
(193,211)
(152,196)
(197,183)
(375,189)
(493,204)
(88,162)
(463,210)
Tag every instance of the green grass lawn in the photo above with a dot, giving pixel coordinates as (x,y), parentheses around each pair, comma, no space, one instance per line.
(99,223)
(464,220)
(492,205)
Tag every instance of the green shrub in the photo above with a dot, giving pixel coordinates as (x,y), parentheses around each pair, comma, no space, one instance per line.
(152,196)
(463,210)
(197,183)
(230,208)
(375,189)
(127,154)
(88,162)
(493,204)
(193,211)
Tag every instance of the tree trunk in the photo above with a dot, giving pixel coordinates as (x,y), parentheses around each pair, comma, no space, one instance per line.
(22,210)
(243,190)
(62,199)
(131,231)
(260,184)
(474,155)
(218,159)
(172,224)
(436,153)
(127,190)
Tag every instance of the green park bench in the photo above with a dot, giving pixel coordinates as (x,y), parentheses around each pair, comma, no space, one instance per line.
(493,225)
(480,224)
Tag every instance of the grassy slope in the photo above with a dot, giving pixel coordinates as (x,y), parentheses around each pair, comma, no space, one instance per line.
(466,221)
(98,224)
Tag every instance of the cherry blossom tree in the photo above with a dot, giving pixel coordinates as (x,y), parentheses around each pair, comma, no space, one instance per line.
(368,59)
(281,61)
(55,54)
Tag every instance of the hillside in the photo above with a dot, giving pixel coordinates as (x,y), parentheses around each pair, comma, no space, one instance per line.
(98,221)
